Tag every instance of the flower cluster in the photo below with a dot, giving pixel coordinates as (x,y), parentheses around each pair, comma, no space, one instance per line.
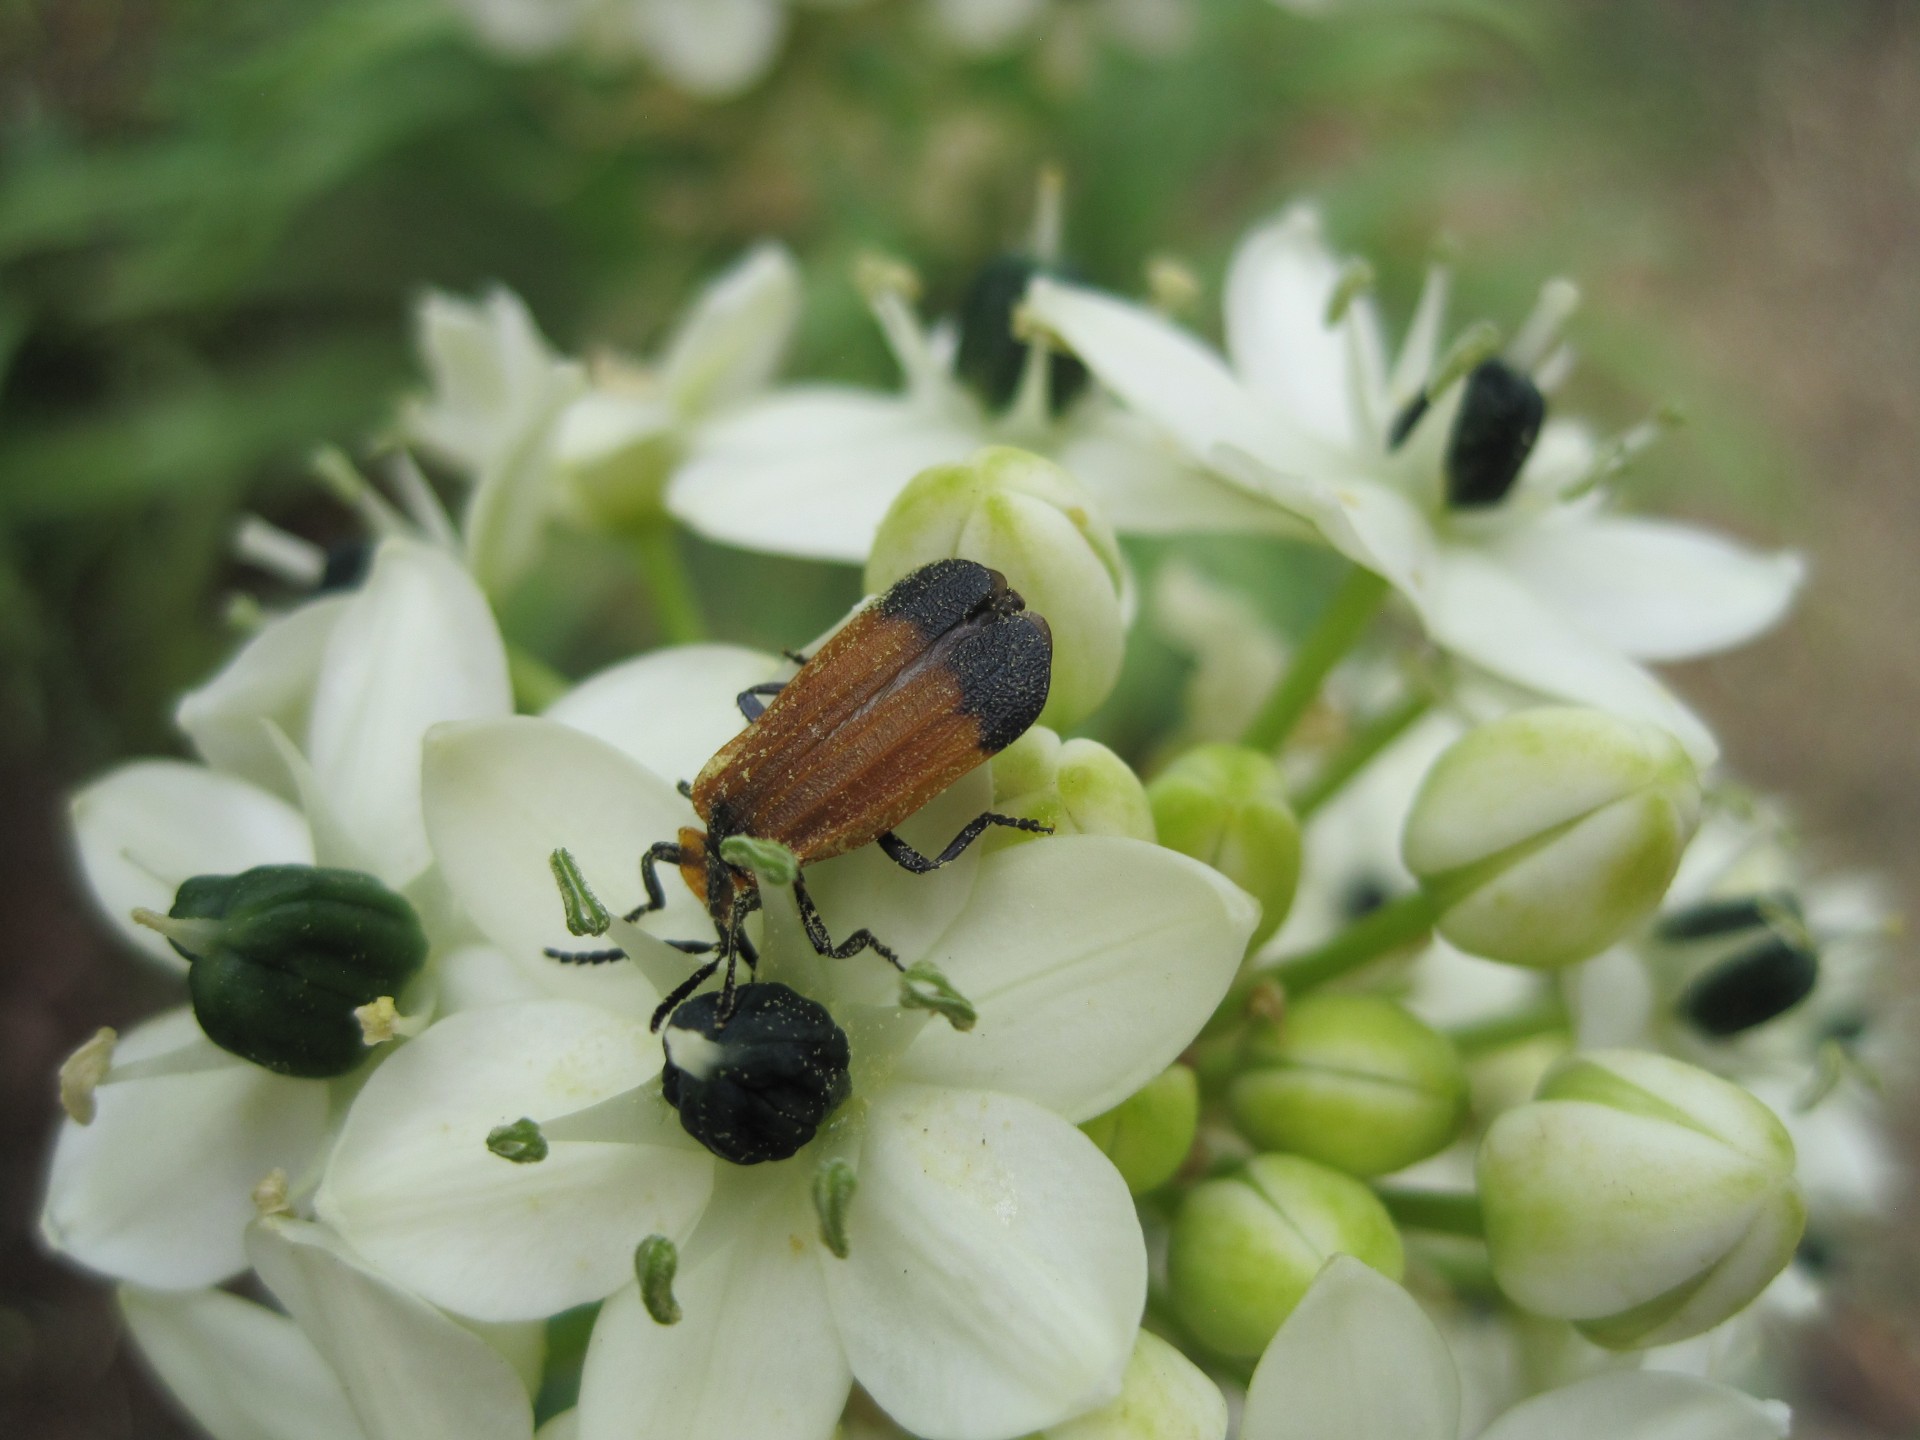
(1427,1039)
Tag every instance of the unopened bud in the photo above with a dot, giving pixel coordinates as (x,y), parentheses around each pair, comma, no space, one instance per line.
(1038,526)
(1246,1247)
(614,452)
(1078,787)
(1164,1396)
(1639,1197)
(1545,836)
(285,956)
(1227,806)
(1353,1081)
(1149,1133)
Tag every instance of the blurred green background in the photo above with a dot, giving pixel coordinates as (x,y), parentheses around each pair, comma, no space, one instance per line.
(215,216)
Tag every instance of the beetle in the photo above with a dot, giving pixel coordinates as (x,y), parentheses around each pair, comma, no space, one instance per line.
(937,675)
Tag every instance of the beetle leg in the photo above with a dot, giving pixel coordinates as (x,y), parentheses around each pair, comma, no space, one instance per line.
(583,957)
(823,942)
(748,699)
(681,991)
(667,850)
(795,656)
(908,858)
(736,946)
(685,787)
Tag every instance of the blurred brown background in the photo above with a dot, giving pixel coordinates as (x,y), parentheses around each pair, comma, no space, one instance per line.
(1788,268)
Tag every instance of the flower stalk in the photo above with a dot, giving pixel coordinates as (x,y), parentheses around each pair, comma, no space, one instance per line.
(1336,632)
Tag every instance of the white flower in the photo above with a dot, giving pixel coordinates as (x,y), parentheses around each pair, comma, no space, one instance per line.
(995,1270)
(313,736)
(354,1357)
(537,436)
(713,48)
(1358,1357)
(1543,589)
(811,470)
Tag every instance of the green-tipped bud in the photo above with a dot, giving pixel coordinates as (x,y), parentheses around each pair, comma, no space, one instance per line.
(1038,526)
(1545,836)
(1164,1396)
(1149,1133)
(282,957)
(1353,1081)
(1226,805)
(1641,1198)
(1246,1247)
(1079,787)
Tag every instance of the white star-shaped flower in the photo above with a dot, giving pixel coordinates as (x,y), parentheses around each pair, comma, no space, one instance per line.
(712,48)
(1539,585)
(311,738)
(995,1269)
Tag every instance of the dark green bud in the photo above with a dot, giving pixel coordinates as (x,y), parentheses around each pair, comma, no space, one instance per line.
(282,957)
(1751,987)
(1493,433)
(991,358)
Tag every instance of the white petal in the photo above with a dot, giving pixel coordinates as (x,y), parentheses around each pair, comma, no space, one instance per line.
(1482,613)
(996,1271)
(1093,961)
(494,377)
(1147,488)
(671,709)
(1357,1357)
(415,647)
(1652,589)
(755,1352)
(811,471)
(410,1373)
(1278,288)
(737,332)
(1640,1405)
(1162,372)
(272,678)
(413,1187)
(242,1371)
(503,795)
(143,829)
(714,48)
(159,1188)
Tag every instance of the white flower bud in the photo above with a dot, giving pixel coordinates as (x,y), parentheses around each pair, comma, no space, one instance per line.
(1038,526)
(1245,1247)
(1353,1081)
(1641,1198)
(1546,835)
(1226,805)
(1164,1396)
(615,450)
(1079,787)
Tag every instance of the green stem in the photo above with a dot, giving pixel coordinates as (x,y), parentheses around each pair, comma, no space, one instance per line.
(675,607)
(1447,1212)
(1483,1037)
(1373,737)
(1333,635)
(536,684)
(1394,925)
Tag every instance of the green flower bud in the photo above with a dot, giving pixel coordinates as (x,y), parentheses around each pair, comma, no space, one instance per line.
(1149,1133)
(1641,1198)
(283,955)
(1225,805)
(1164,1396)
(1038,526)
(1545,836)
(1353,1081)
(1079,787)
(1245,1248)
